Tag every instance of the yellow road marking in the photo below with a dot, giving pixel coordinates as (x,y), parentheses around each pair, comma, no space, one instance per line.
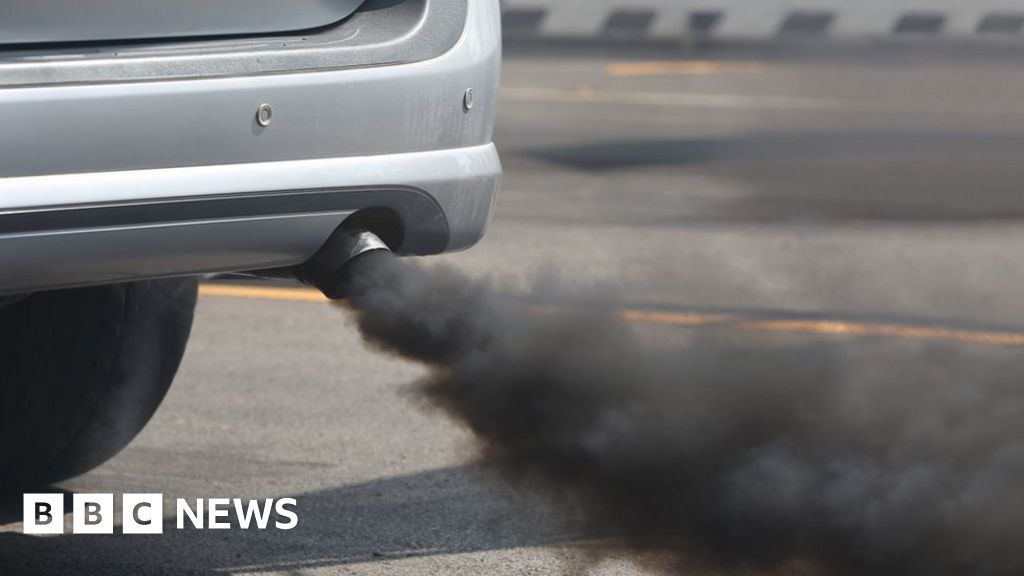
(835,328)
(261,293)
(591,95)
(681,68)
(671,318)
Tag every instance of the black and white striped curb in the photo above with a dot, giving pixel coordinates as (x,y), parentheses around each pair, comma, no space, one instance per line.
(762,19)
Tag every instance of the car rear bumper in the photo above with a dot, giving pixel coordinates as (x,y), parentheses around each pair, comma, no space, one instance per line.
(146,223)
(104,182)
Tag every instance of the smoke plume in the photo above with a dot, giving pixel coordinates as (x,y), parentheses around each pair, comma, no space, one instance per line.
(735,455)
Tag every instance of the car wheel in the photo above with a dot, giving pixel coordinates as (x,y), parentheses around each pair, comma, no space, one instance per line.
(82,371)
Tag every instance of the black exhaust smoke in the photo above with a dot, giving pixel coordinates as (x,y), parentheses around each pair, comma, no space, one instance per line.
(734,457)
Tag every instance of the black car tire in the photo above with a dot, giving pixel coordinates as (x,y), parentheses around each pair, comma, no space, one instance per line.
(82,371)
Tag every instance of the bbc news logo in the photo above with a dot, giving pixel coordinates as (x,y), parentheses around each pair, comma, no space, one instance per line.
(143,514)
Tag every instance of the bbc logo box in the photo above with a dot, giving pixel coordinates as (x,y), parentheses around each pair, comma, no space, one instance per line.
(43,514)
(93,514)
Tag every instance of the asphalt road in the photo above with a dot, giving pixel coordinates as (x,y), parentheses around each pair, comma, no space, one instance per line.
(877,195)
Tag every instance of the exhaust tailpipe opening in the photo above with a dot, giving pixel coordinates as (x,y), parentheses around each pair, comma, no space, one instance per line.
(332,269)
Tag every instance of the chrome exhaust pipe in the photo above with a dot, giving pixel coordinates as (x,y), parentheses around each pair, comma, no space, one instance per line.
(329,270)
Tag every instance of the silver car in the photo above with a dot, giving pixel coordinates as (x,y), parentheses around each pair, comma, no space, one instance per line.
(143,143)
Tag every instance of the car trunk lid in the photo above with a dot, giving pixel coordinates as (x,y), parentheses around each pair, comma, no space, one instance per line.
(56,21)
